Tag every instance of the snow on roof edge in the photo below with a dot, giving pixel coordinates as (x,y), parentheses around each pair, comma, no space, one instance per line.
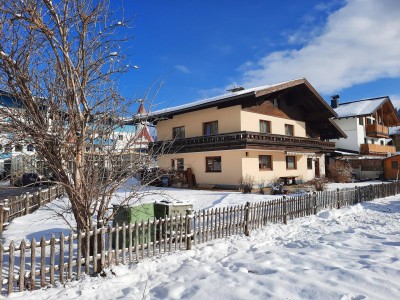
(217,98)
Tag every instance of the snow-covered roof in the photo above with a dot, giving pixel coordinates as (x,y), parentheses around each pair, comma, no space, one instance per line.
(394,130)
(218,98)
(359,108)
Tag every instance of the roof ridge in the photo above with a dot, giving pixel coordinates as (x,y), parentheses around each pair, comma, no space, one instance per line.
(368,99)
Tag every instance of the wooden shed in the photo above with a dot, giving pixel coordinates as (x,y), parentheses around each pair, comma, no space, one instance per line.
(391,166)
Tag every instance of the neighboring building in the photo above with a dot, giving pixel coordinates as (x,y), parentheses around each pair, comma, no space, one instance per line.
(270,133)
(394,134)
(366,124)
(392,167)
(22,157)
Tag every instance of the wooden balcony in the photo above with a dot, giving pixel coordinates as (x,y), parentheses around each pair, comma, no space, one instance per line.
(241,140)
(377,131)
(373,149)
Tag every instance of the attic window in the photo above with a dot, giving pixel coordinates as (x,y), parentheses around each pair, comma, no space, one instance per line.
(276,103)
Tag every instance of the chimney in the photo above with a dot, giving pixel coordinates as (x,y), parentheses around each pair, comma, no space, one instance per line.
(235,89)
(335,101)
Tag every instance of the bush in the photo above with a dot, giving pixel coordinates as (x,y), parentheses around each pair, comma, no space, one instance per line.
(319,183)
(340,174)
(246,184)
(261,185)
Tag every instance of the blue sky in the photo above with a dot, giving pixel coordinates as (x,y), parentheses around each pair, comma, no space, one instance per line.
(198,49)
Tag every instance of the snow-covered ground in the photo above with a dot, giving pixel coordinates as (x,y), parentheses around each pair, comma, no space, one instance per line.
(352,253)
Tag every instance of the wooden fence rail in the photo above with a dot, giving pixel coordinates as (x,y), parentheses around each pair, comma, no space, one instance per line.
(27,203)
(35,264)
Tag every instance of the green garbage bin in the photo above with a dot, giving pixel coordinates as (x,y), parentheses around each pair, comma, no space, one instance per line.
(132,214)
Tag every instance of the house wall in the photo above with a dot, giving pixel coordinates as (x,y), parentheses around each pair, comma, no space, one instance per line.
(236,164)
(355,134)
(231,165)
(250,121)
(228,121)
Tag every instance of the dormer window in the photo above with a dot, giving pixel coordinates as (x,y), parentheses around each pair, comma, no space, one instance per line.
(265,126)
(289,130)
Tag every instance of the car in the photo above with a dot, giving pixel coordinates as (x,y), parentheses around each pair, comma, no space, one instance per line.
(30,179)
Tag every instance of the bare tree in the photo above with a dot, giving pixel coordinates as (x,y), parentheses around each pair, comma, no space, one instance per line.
(58,62)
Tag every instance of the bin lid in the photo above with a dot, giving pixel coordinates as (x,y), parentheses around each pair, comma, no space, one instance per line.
(174,202)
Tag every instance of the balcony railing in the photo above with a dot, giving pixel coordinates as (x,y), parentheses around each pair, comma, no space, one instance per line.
(374,149)
(377,130)
(242,140)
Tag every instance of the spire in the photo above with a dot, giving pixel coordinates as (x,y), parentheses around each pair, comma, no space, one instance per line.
(141,110)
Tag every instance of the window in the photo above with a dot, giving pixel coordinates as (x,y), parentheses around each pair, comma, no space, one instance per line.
(213,164)
(289,130)
(178,133)
(361,121)
(276,103)
(309,163)
(365,141)
(178,164)
(369,121)
(1,148)
(29,148)
(265,162)
(265,126)
(382,142)
(18,148)
(290,162)
(372,141)
(87,149)
(210,128)
(120,137)
(395,164)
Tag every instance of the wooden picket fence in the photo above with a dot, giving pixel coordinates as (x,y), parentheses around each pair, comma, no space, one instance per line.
(27,203)
(39,264)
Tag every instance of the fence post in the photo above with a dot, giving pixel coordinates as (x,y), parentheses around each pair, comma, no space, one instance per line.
(284,209)
(40,197)
(189,218)
(246,219)
(27,203)
(314,201)
(1,216)
(6,212)
(338,198)
(357,196)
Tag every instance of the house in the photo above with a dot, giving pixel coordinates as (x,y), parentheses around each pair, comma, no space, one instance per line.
(366,123)
(270,133)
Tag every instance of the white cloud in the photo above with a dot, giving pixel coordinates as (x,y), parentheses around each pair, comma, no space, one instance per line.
(182,68)
(359,43)
(395,100)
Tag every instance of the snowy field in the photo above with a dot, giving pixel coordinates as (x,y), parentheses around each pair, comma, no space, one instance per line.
(352,253)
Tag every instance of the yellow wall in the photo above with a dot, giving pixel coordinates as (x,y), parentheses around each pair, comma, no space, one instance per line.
(251,122)
(228,121)
(235,164)
(231,163)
